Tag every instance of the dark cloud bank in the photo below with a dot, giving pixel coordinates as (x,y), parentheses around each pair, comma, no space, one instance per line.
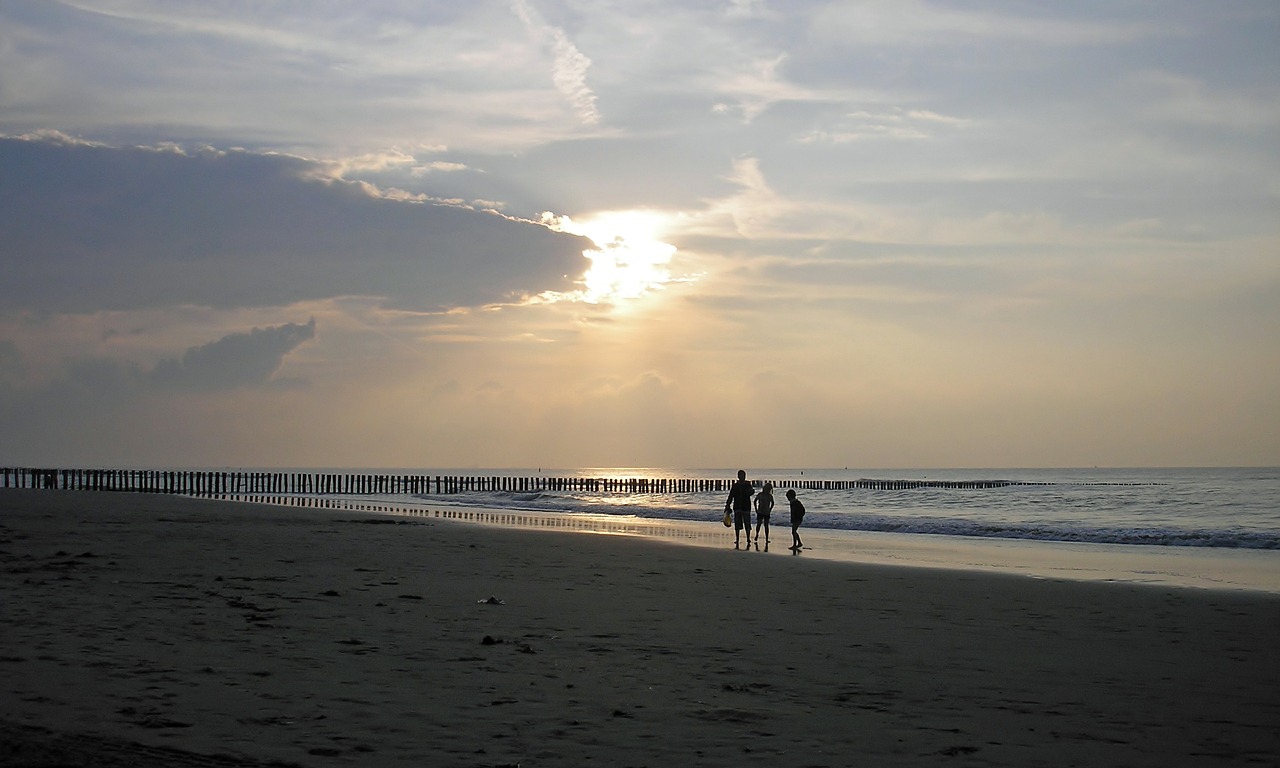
(94,407)
(86,228)
(238,360)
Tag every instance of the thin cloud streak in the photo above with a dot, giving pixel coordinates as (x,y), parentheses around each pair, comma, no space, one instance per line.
(569,67)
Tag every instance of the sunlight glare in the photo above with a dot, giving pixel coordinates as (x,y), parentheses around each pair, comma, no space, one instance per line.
(629,260)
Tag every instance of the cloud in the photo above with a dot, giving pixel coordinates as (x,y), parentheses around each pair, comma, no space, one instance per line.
(914,22)
(759,86)
(86,227)
(241,360)
(890,197)
(303,79)
(887,123)
(12,367)
(97,409)
(746,9)
(238,360)
(1169,98)
(569,65)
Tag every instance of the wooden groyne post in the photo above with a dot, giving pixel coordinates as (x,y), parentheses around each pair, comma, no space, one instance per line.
(218,482)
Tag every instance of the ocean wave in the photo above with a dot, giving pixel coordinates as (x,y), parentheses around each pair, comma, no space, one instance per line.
(1169,537)
(704,508)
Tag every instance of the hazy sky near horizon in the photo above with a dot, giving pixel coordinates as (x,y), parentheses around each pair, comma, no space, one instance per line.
(520,233)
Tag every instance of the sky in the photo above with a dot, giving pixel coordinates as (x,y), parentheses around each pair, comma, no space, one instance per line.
(639,233)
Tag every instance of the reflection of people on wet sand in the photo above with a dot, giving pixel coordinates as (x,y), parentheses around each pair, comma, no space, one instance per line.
(797,517)
(764,505)
(740,500)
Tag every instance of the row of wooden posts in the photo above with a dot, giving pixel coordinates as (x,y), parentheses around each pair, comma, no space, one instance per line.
(204,483)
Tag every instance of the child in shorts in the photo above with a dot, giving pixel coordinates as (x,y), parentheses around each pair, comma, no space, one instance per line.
(764,505)
(797,517)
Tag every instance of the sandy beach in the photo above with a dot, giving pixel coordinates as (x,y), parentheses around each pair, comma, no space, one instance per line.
(150,630)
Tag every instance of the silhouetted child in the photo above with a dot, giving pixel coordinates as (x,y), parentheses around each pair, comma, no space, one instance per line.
(764,505)
(797,517)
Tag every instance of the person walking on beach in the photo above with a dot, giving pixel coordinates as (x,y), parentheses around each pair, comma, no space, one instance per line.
(797,517)
(764,505)
(740,500)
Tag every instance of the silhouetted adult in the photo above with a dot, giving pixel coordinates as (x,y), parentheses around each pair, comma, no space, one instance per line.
(740,501)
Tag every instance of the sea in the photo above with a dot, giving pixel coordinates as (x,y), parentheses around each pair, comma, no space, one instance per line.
(1233,508)
(1210,527)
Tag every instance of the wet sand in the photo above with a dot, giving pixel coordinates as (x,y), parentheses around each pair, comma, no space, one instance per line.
(155,630)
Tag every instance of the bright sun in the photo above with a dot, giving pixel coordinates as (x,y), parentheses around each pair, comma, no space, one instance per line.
(629,259)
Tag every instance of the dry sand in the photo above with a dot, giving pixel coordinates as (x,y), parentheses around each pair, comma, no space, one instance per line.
(162,631)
